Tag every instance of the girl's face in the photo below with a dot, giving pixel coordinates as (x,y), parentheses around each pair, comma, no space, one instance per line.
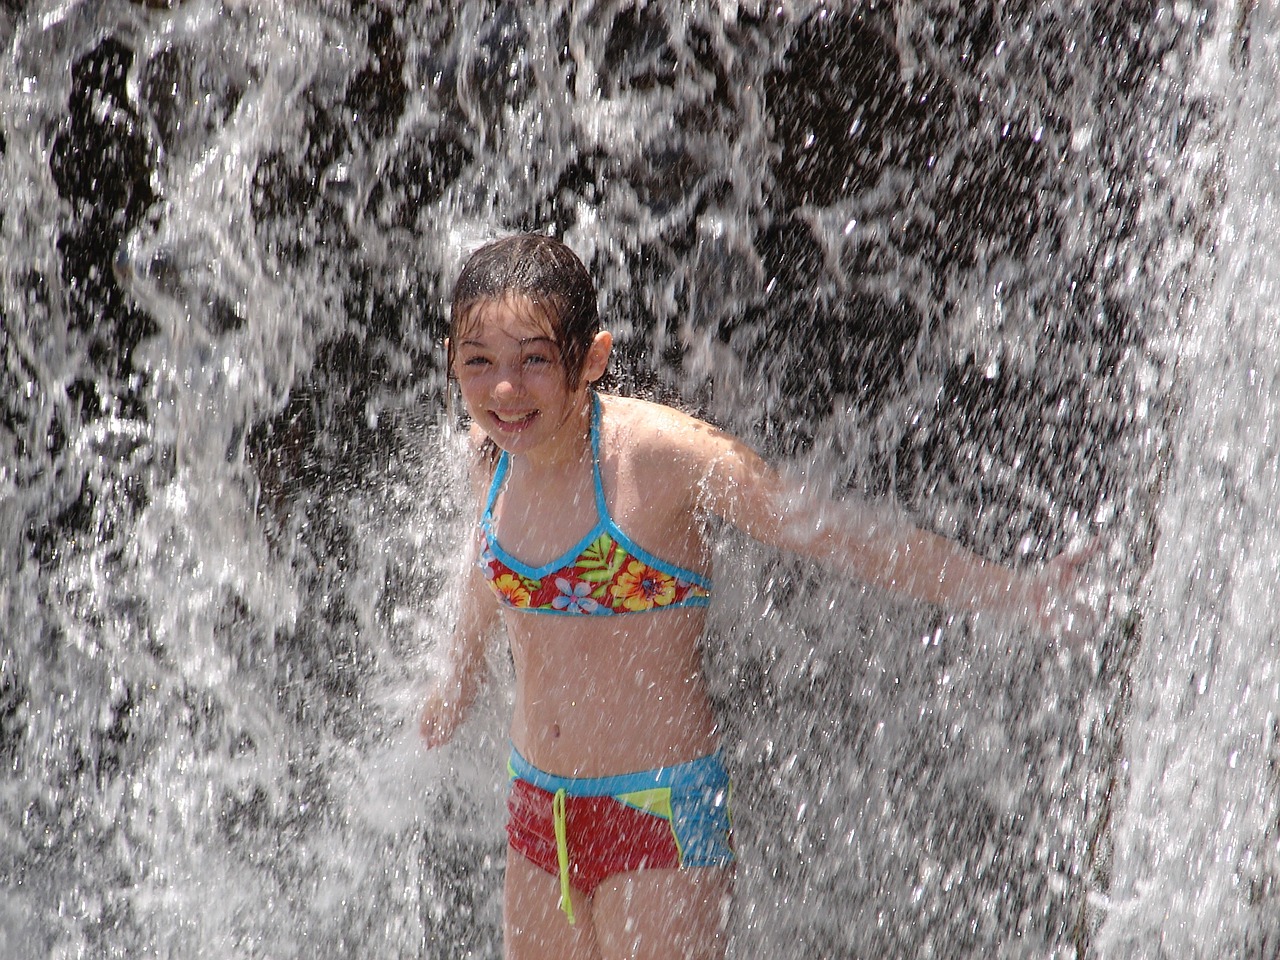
(513,382)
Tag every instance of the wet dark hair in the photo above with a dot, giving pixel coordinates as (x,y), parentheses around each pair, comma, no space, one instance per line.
(547,274)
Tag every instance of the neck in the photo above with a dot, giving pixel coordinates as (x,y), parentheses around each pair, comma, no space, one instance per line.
(571,445)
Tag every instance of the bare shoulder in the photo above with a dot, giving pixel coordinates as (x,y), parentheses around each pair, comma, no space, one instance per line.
(648,427)
(687,460)
(481,462)
(662,438)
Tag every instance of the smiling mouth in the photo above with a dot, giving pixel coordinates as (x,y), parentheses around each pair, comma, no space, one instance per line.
(514,420)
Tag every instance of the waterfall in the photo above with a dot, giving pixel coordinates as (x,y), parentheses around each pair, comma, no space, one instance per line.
(1197,839)
(1006,266)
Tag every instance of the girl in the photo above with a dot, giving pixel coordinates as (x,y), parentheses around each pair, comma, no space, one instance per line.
(592,552)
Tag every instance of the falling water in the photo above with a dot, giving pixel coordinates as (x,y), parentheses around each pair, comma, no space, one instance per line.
(1197,840)
(1007,266)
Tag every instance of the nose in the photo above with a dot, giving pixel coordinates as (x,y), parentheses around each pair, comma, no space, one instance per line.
(509,383)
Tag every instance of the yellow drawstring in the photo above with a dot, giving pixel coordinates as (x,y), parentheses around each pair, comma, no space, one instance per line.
(562,852)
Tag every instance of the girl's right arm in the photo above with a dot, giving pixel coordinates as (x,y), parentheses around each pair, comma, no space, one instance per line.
(467,664)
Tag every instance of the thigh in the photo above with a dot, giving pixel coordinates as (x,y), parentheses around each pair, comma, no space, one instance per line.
(534,925)
(667,914)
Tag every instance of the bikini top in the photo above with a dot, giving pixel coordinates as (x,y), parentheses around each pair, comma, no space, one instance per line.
(606,573)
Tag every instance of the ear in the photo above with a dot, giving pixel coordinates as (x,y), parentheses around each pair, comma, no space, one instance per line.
(597,361)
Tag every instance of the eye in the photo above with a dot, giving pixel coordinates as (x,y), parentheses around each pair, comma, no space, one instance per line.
(475,361)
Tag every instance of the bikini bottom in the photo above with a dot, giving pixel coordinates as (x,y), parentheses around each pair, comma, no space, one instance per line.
(584,830)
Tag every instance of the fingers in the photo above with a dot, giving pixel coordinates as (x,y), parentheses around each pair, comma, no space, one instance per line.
(1077,604)
(438,722)
(429,730)
(434,734)
(1068,563)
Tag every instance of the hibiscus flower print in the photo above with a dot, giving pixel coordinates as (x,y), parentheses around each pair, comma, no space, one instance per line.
(640,587)
(513,588)
(575,597)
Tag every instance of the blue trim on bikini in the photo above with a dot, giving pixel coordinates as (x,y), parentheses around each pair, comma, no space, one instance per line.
(708,771)
(604,524)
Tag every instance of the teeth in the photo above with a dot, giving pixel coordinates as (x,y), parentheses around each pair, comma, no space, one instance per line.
(508,418)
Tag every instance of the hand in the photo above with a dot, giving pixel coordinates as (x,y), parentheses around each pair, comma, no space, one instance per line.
(1062,607)
(441,716)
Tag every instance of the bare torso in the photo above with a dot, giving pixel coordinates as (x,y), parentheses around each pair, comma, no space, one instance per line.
(595,702)
(597,696)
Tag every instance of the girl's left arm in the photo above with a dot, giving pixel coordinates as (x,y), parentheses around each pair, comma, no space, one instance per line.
(881,549)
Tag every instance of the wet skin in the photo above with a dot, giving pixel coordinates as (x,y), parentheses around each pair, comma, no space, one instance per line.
(597,696)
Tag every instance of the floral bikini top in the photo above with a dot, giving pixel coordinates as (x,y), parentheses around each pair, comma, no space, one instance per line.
(606,573)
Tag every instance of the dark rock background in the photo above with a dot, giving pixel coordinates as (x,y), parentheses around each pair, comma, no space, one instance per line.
(792,249)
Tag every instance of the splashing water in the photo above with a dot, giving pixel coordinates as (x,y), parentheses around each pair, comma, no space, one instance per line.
(1197,847)
(1008,266)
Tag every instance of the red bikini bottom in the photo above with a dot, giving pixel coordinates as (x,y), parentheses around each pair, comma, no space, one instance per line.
(604,836)
(584,830)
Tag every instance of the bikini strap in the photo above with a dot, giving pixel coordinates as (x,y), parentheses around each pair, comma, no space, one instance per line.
(499,477)
(504,464)
(602,510)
